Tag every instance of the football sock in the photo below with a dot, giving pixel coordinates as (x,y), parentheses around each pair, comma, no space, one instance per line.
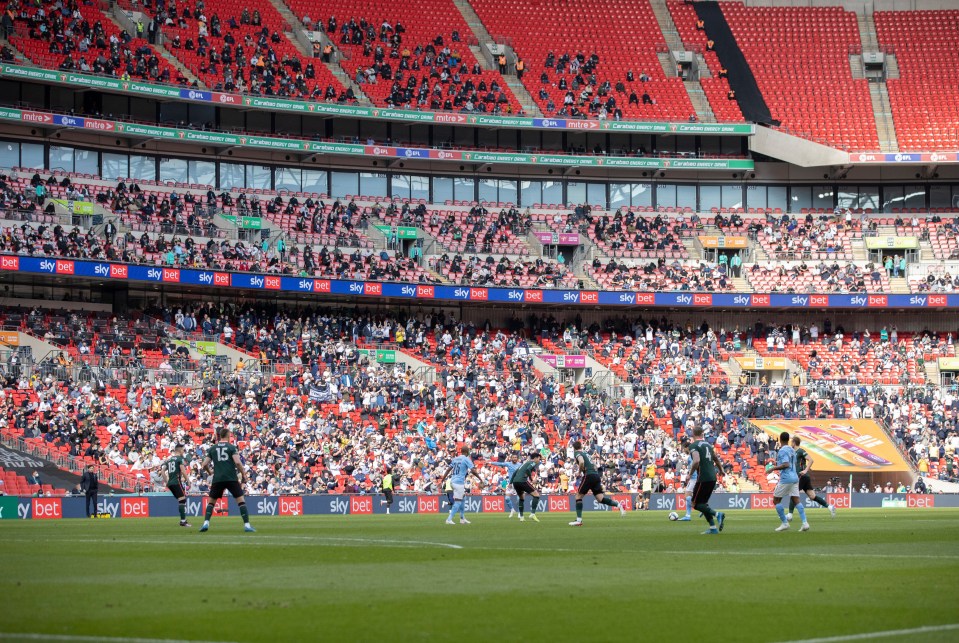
(689,506)
(456,507)
(244,513)
(521,503)
(579,509)
(609,502)
(802,511)
(535,503)
(462,508)
(209,510)
(707,512)
(781,510)
(819,501)
(182,508)
(792,504)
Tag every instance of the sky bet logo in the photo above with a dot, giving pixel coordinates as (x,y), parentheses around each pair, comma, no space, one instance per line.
(819,300)
(373,288)
(271,283)
(119,271)
(9,263)
(221,279)
(425,292)
(760,300)
(322,285)
(154,274)
(171,274)
(64,267)
(878,301)
(408,291)
(479,294)
(533,296)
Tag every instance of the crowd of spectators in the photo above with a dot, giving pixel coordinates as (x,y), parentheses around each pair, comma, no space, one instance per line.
(661,276)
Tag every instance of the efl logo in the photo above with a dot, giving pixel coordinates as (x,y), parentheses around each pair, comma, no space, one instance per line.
(119,271)
(425,292)
(558,503)
(819,300)
(47,508)
(493,504)
(937,300)
(624,500)
(65,267)
(171,274)
(428,504)
(372,288)
(533,296)
(221,279)
(135,508)
(589,297)
(222,507)
(271,283)
(762,501)
(645,299)
(292,506)
(322,285)
(361,505)
(878,301)
(479,294)
(920,501)
(9,263)
(839,500)
(702,300)
(760,300)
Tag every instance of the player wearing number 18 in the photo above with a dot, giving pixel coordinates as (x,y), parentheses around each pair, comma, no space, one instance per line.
(228,475)
(176,477)
(706,465)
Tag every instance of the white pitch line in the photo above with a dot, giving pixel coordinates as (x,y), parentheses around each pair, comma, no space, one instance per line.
(264,540)
(880,635)
(37,636)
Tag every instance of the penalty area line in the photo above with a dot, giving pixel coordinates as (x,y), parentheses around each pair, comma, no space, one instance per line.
(71,638)
(928,629)
(267,540)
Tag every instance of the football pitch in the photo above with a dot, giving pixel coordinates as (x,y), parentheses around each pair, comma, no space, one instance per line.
(888,575)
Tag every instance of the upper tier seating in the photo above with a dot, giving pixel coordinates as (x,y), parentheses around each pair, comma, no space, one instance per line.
(624,36)
(924,97)
(800,58)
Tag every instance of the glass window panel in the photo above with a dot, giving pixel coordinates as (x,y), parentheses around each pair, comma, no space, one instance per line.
(800,197)
(940,196)
(619,195)
(464,189)
(86,162)
(756,196)
(344,183)
(400,186)
(373,184)
(507,192)
(776,197)
(915,196)
(143,168)
(259,177)
(61,158)
(289,178)
(31,156)
(848,197)
(315,181)
(420,187)
(686,196)
(642,195)
(552,192)
(666,196)
(732,196)
(488,190)
(174,170)
(596,194)
(823,197)
(115,166)
(531,192)
(575,193)
(710,196)
(203,172)
(442,189)
(9,154)
(232,176)
(869,197)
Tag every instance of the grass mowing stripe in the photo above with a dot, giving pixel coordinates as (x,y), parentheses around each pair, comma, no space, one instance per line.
(37,636)
(880,635)
(264,541)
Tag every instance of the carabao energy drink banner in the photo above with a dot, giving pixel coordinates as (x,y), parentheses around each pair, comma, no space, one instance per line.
(842,445)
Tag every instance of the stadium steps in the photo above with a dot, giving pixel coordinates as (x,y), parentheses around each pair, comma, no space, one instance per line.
(879,95)
(118,18)
(859,250)
(856,66)
(759,255)
(293,24)
(892,67)
(482,35)
(690,244)
(899,286)
(867,32)
(933,376)
(17,56)
(741,284)
(698,97)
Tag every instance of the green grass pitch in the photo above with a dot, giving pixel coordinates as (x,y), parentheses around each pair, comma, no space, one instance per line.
(412,578)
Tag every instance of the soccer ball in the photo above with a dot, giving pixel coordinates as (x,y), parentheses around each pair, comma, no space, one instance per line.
(673,515)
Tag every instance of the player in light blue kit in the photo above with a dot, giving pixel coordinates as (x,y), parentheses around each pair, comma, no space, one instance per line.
(511,466)
(460,467)
(788,486)
(690,485)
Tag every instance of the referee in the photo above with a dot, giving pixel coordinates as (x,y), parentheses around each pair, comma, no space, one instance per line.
(387,487)
(90,486)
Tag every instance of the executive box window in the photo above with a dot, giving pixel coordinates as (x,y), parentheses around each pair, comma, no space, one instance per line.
(316,181)
(174,170)
(373,184)
(343,183)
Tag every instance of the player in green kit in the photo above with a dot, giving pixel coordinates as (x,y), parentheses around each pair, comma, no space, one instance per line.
(228,475)
(177,475)
(591,482)
(707,465)
(804,464)
(521,483)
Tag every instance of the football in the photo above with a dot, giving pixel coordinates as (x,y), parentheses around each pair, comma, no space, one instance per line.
(673,515)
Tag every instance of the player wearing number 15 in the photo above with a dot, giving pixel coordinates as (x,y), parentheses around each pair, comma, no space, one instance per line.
(706,465)
(228,475)
(176,477)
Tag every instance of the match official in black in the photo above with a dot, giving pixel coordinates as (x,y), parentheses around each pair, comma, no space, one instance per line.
(90,486)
